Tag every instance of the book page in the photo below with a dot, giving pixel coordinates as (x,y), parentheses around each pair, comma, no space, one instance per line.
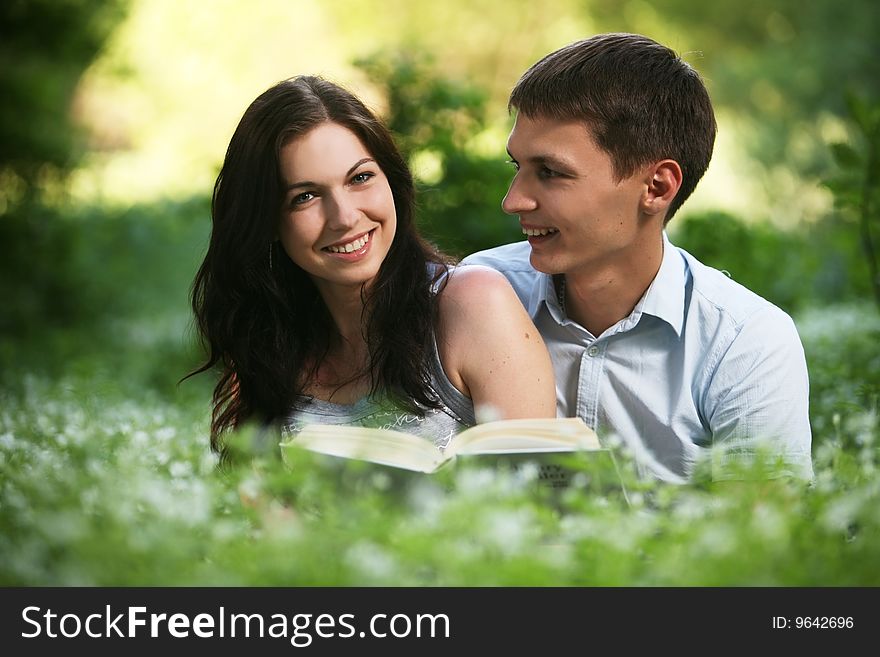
(525,436)
(383,446)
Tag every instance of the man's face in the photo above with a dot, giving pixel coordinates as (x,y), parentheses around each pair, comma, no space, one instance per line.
(577,215)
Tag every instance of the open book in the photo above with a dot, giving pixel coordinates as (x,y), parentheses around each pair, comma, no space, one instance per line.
(403,450)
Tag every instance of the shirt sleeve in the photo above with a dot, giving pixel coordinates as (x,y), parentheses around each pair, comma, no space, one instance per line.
(757,400)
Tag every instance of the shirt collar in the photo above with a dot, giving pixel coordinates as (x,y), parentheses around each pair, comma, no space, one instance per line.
(663,299)
(544,293)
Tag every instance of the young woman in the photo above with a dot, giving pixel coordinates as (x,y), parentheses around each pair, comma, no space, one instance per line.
(319,301)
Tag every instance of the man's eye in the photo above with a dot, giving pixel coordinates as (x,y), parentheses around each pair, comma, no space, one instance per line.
(514,163)
(362,177)
(546,172)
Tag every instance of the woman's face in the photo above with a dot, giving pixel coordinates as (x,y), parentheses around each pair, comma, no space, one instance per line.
(337,218)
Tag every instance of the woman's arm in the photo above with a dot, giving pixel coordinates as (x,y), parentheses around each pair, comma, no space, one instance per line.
(491,350)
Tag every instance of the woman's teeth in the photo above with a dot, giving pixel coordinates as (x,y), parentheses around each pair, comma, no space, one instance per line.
(351,246)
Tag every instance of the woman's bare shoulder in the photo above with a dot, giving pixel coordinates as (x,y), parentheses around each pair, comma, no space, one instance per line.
(476,289)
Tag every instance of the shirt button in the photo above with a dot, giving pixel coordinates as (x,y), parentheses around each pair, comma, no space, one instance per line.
(592,351)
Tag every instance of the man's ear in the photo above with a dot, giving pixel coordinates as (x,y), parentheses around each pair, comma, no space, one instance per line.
(664,181)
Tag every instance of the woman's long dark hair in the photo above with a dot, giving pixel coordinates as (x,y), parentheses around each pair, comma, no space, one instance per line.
(261,319)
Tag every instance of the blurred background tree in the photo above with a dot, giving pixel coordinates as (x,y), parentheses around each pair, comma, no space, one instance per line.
(856,184)
(45,47)
(157,86)
(441,125)
(781,66)
(116,117)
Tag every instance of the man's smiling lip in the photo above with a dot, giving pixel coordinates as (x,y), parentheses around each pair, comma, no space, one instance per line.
(538,231)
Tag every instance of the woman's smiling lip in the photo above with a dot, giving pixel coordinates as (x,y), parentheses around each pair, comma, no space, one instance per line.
(341,245)
(359,245)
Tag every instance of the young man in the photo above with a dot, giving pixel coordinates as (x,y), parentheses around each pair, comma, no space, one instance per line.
(675,359)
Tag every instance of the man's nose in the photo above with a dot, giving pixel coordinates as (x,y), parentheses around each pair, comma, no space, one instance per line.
(518,200)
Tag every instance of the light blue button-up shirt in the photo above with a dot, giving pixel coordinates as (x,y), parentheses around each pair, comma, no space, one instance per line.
(701,369)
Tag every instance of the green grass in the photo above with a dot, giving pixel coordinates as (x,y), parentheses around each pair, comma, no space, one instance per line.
(106,477)
(107,480)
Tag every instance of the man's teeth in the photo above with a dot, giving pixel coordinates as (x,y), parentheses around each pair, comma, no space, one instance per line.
(536,232)
(351,246)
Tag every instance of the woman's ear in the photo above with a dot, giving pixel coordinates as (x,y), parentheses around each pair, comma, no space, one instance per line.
(664,181)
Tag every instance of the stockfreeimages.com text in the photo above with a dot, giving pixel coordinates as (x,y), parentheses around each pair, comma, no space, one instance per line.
(300,629)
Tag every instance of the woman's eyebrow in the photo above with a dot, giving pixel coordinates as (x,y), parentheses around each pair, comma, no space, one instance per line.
(309,183)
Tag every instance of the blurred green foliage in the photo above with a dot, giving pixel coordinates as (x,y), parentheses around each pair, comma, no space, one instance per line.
(45,46)
(834,259)
(782,66)
(856,185)
(107,475)
(62,266)
(795,268)
(440,117)
(108,480)
(844,364)
(74,268)
(49,260)
(442,121)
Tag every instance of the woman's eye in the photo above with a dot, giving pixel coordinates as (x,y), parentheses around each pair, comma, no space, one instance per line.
(299,199)
(362,177)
